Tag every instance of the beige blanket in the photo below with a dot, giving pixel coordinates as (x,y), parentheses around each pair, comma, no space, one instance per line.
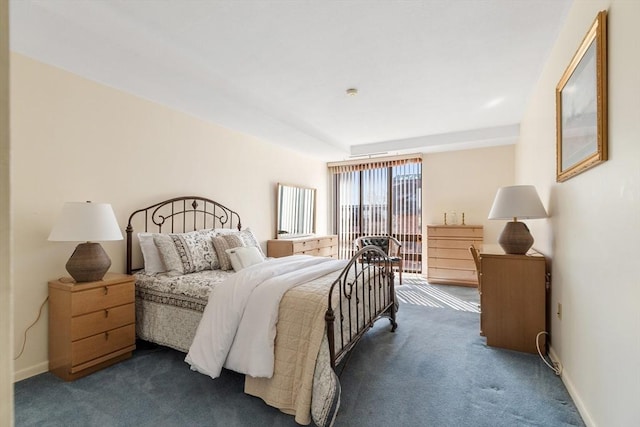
(300,331)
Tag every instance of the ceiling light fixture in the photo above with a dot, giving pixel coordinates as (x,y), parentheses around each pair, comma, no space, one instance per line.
(494,102)
(352,91)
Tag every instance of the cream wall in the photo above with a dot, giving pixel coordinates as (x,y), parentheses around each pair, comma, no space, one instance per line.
(76,140)
(6,330)
(594,228)
(465,181)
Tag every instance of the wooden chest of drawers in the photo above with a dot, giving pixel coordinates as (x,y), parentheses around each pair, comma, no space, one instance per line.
(449,260)
(91,325)
(316,245)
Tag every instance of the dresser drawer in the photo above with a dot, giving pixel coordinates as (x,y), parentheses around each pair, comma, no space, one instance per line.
(101,344)
(452,274)
(304,246)
(328,251)
(461,264)
(103,320)
(319,243)
(449,253)
(453,243)
(102,297)
(312,252)
(455,232)
(316,246)
(324,251)
(324,242)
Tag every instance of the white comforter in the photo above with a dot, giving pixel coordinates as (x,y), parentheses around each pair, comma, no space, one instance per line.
(238,326)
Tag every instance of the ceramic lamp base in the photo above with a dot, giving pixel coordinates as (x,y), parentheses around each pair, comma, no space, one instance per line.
(88,263)
(515,238)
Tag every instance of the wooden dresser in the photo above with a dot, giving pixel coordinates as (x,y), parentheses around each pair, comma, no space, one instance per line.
(91,325)
(449,260)
(314,245)
(513,291)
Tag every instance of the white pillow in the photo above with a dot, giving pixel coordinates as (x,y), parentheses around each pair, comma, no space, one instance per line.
(244,257)
(150,253)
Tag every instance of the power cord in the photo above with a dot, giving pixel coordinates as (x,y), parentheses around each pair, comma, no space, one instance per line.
(556,367)
(24,341)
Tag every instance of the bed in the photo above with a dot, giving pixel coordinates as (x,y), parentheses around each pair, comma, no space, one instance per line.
(188,252)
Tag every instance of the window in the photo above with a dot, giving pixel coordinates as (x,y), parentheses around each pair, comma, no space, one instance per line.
(382,197)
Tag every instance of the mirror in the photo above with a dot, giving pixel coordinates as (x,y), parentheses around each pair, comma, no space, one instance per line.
(296,214)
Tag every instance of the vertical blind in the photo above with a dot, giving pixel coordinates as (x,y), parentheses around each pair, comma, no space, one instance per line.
(380,197)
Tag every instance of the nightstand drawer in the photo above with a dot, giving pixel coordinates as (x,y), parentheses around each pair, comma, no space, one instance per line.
(102,297)
(104,343)
(103,320)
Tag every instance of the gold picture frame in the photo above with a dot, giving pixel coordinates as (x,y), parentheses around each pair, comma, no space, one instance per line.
(581,106)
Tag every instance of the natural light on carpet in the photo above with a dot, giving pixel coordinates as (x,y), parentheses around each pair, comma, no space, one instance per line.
(432,296)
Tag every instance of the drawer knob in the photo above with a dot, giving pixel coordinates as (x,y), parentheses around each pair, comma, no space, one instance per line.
(106,290)
(106,336)
(106,313)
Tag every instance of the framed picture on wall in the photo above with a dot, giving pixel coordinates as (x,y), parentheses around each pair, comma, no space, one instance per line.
(581,105)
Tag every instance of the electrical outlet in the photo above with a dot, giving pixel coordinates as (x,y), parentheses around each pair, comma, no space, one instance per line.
(559,311)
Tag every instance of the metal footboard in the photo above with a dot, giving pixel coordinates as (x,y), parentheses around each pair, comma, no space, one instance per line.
(363,293)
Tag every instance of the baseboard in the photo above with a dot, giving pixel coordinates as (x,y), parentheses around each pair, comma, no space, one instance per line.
(565,376)
(31,371)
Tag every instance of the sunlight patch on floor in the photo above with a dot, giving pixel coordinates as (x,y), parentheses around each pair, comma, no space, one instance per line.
(417,291)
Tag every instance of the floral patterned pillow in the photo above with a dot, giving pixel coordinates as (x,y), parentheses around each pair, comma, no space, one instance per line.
(185,253)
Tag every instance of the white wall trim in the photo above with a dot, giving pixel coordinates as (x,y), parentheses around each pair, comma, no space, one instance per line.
(31,371)
(566,380)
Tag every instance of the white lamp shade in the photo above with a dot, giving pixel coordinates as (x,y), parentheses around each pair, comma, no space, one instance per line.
(85,222)
(517,201)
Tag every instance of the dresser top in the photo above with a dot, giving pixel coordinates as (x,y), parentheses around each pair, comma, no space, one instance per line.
(454,226)
(301,238)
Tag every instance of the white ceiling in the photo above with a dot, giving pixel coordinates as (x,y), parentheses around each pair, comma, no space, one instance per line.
(432,75)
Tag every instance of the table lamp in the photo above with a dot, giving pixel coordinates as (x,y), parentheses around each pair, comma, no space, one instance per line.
(87,222)
(517,201)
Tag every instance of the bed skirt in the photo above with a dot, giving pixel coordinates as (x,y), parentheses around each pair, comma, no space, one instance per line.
(166,325)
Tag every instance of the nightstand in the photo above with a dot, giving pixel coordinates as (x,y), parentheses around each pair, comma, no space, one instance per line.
(91,324)
(513,292)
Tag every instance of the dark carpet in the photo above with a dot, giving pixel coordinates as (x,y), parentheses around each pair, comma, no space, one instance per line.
(435,370)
